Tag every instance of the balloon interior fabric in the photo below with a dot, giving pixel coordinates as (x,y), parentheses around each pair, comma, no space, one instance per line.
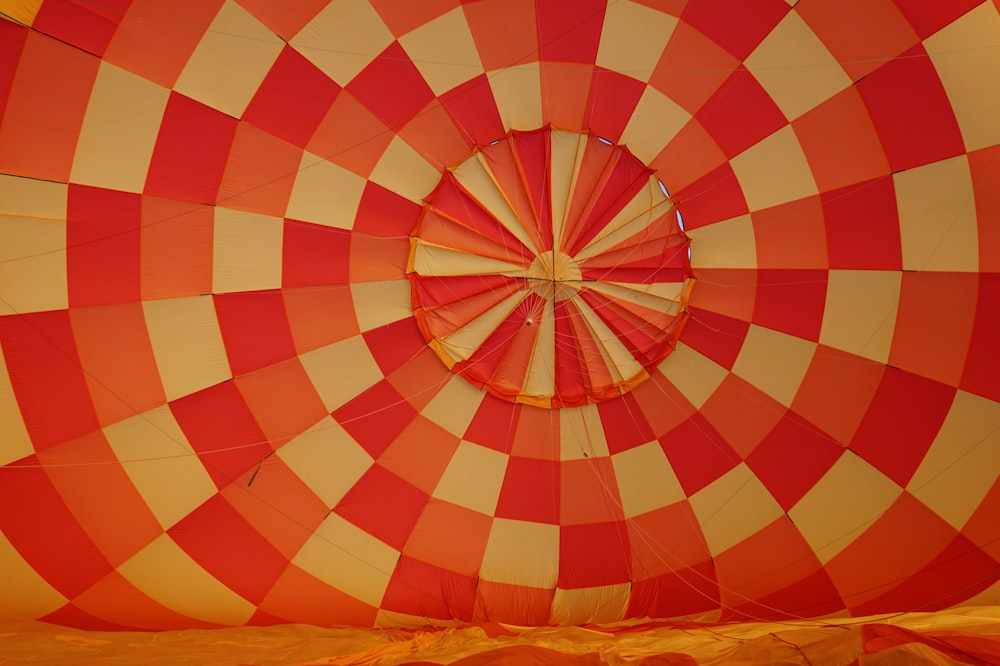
(389,314)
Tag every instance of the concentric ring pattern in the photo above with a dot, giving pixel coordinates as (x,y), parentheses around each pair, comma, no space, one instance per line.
(218,406)
(550,268)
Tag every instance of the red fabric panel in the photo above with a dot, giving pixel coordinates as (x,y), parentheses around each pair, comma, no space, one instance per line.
(611,103)
(222,430)
(736,25)
(254,329)
(593,555)
(494,424)
(530,491)
(627,179)
(697,453)
(776,288)
(980,375)
(862,226)
(963,648)
(85,25)
(292,99)
(679,592)
(424,590)
(190,153)
(570,32)
(691,68)
(395,344)
(929,16)
(906,100)
(391,87)
(313,254)
(376,417)
(902,421)
(28,500)
(472,107)
(102,241)
(740,113)
(958,573)
(47,378)
(791,459)
(625,426)
(716,336)
(812,596)
(714,197)
(384,505)
(12,39)
(382,212)
(228,547)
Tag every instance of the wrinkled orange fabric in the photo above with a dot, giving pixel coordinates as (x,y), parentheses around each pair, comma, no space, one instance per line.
(962,636)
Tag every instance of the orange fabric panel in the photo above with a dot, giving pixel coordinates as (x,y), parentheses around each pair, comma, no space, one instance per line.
(44,114)
(175,248)
(156,40)
(101,496)
(118,359)
(934,341)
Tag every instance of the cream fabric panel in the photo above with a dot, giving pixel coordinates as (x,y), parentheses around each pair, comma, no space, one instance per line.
(348,559)
(24,594)
(540,378)
(405,172)
(522,553)
(161,464)
(655,121)
(443,51)
(795,68)
(379,303)
(32,245)
(970,45)
(246,251)
(325,193)
(727,244)
(842,504)
(327,459)
(646,481)
(732,508)
(454,406)
(774,362)
(119,130)
(695,376)
(16,443)
(961,465)
(341,371)
(477,179)
(860,313)
(473,478)
(166,574)
(774,171)
(187,344)
(590,605)
(581,433)
(937,217)
(567,151)
(230,61)
(343,39)
(633,38)
(518,94)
